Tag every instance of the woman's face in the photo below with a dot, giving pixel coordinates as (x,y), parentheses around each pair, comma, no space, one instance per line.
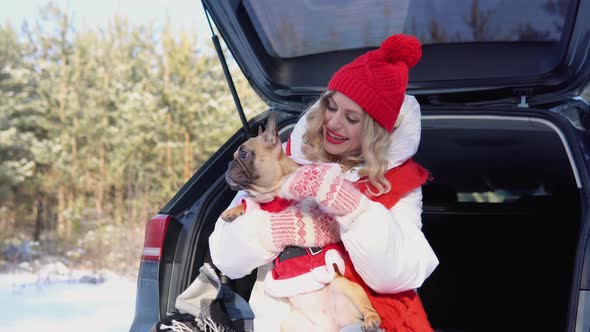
(342,127)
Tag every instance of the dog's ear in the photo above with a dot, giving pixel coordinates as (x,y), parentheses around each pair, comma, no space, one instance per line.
(271,133)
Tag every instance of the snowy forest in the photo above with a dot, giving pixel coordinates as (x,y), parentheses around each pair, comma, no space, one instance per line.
(98,129)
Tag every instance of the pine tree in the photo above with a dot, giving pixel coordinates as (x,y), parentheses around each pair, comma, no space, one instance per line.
(99,128)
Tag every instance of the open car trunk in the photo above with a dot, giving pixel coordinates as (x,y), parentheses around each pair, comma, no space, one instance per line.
(503,214)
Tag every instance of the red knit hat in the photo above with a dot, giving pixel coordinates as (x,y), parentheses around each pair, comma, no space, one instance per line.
(377,80)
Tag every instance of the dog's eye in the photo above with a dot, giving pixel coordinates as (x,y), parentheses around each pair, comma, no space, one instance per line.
(243,154)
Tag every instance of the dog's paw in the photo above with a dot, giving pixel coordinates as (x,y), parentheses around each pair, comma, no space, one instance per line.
(231,214)
(228,216)
(371,322)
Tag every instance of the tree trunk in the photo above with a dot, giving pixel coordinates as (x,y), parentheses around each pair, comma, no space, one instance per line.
(75,147)
(61,207)
(168,121)
(62,90)
(3,220)
(99,196)
(6,219)
(131,202)
(119,205)
(39,210)
(61,222)
(105,121)
(187,155)
(68,222)
(102,174)
(168,145)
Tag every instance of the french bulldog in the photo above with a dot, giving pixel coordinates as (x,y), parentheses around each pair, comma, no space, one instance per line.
(259,167)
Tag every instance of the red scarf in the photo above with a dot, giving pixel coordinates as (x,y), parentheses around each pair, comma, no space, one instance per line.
(403,178)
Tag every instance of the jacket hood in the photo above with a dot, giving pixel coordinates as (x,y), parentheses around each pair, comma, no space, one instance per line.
(405,137)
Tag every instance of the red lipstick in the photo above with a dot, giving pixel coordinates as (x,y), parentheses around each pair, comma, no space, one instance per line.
(334,138)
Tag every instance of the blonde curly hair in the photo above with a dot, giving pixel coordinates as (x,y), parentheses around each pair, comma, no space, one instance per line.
(375,142)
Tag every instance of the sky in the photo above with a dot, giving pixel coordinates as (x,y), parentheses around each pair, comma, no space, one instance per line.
(185,15)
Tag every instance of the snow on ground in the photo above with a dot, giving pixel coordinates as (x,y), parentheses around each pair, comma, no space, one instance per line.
(58,299)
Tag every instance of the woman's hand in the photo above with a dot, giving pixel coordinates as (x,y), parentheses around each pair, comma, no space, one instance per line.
(325,184)
(308,180)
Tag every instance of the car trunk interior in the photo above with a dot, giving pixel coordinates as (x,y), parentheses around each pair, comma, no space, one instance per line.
(503,216)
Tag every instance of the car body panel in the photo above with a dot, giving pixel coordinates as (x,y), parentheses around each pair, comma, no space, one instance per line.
(545,71)
(147,308)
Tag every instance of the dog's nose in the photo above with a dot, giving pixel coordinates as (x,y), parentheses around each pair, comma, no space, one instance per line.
(233,169)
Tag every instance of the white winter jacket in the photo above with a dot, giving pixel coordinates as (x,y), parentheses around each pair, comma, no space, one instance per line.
(387,247)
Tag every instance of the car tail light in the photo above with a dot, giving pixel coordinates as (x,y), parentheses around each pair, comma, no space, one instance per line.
(154,237)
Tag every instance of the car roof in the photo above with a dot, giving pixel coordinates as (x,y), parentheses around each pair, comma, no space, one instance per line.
(289,49)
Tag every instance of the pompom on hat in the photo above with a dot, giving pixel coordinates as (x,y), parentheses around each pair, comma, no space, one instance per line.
(377,80)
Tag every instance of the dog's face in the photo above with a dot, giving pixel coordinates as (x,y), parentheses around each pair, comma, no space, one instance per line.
(259,165)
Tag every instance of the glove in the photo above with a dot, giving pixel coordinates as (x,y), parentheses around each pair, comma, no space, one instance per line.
(325,184)
(301,224)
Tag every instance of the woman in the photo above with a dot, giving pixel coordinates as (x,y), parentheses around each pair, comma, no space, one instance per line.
(367,125)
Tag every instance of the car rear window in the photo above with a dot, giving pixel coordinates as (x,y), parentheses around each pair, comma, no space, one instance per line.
(295,28)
